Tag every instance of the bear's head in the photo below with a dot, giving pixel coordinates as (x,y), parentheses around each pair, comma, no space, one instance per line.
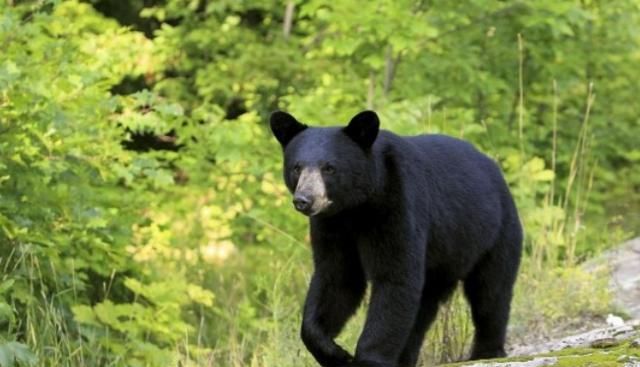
(327,169)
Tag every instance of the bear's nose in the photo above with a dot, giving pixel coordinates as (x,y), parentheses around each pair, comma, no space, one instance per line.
(302,203)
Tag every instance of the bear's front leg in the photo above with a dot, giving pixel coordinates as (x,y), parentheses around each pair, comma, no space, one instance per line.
(330,302)
(337,287)
(397,284)
(390,319)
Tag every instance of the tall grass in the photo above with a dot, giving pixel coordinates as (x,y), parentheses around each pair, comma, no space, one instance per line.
(41,323)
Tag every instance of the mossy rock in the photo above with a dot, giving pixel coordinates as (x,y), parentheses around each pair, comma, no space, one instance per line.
(624,353)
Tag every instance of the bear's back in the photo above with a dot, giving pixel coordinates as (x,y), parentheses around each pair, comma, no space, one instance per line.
(465,191)
(444,147)
(453,159)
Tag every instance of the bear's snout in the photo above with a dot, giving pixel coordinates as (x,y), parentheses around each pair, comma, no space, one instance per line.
(302,203)
(310,196)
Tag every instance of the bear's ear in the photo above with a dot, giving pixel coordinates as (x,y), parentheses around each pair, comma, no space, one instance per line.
(285,127)
(363,128)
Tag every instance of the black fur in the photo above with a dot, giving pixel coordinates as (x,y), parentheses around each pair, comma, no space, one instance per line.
(412,216)
(285,127)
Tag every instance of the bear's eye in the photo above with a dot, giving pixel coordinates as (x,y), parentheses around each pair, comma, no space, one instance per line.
(328,169)
(297,169)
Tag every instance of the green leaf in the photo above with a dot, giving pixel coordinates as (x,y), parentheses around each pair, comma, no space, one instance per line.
(173,109)
(6,285)
(84,315)
(13,352)
(544,175)
(200,295)
(6,312)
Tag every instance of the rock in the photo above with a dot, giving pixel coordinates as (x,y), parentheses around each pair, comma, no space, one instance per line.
(624,262)
(578,341)
(628,360)
(605,343)
(613,320)
(536,362)
(611,346)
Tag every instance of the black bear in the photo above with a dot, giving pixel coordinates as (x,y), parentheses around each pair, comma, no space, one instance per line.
(411,215)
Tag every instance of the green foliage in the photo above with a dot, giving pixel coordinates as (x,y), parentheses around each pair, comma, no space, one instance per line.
(69,192)
(566,293)
(151,326)
(12,353)
(192,255)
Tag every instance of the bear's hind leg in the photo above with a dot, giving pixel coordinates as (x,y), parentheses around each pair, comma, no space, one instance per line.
(489,289)
(432,296)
